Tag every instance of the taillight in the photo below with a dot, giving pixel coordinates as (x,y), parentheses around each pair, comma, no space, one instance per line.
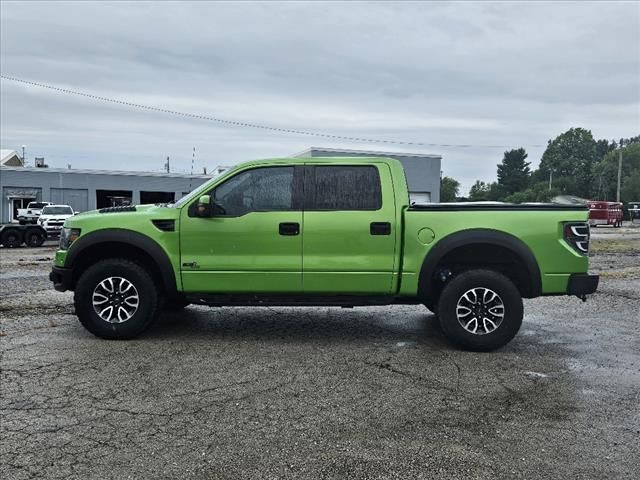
(577,235)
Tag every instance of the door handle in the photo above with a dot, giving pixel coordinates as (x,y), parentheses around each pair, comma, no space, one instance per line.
(289,228)
(380,228)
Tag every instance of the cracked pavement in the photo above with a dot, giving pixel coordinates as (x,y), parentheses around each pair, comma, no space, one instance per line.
(319,392)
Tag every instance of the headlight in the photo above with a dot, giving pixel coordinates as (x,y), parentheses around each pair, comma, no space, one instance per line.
(41,221)
(68,236)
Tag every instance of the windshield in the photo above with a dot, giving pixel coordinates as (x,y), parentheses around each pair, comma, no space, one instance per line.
(36,205)
(57,211)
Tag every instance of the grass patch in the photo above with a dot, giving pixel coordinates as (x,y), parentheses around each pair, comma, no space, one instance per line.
(614,246)
(622,273)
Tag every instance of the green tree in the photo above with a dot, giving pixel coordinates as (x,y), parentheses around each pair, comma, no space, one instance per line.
(483,191)
(514,172)
(571,156)
(538,192)
(604,146)
(478,191)
(449,189)
(630,190)
(606,174)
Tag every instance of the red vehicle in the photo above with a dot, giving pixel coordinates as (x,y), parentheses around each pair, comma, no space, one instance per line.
(605,213)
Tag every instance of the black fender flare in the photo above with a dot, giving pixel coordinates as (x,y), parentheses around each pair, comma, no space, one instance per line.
(483,236)
(118,235)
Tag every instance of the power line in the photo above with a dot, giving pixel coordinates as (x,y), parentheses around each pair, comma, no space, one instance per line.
(247,124)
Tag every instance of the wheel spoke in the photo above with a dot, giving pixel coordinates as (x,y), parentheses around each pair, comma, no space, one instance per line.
(491,294)
(485,320)
(99,299)
(474,320)
(471,300)
(463,311)
(107,284)
(106,316)
(132,301)
(123,315)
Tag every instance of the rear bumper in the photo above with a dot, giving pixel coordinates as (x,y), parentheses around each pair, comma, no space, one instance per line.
(581,284)
(61,278)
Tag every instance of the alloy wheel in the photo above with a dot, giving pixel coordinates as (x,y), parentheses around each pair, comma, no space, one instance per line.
(480,310)
(115,300)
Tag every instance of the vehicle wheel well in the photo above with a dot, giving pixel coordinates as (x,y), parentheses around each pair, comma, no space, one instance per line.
(474,256)
(127,251)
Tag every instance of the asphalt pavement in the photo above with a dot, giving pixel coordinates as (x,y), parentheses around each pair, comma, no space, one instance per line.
(320,392)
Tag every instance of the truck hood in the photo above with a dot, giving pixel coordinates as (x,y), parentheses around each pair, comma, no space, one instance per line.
(121,217)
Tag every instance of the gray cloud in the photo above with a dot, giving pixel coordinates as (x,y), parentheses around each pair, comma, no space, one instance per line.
(487,73)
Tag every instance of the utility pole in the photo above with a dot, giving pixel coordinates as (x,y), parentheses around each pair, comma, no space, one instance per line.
(550,177)
(166,165)
(619,169)
(24,164)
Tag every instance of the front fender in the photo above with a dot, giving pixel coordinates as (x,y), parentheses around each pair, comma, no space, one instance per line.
(89,242)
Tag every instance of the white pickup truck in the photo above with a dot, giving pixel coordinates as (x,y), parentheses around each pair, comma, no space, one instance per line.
(52,218)
(31,213)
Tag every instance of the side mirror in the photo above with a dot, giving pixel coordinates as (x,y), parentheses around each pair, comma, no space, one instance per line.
(203,207)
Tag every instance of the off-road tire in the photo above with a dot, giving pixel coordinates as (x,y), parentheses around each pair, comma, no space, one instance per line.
(34,237)
(488,279)
(11,238)
(148,306)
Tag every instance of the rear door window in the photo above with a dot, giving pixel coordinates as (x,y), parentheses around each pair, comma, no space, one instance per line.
(343,187)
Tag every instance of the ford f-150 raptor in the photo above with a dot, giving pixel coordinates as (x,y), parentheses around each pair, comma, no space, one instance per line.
(322,231)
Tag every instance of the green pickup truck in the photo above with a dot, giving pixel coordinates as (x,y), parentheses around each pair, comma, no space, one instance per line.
(322,232)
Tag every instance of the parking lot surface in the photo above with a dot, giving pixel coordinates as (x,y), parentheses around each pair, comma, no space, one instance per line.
(321,392)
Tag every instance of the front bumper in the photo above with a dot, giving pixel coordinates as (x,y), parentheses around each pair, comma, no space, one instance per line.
(62,278)
(582,284)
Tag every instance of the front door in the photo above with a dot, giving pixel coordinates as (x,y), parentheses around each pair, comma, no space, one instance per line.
(349,229)
(253,244)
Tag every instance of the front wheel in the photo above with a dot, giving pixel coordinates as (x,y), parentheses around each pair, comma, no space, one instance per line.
(116,299)
(480,310)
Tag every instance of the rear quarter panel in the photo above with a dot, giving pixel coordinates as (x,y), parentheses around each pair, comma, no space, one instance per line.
(541,231)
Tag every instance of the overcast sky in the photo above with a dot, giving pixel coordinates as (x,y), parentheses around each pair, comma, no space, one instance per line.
(512,74)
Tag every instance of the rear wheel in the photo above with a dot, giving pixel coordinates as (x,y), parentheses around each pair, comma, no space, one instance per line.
(116,299)
(11,238)
(480,310)
(34,238)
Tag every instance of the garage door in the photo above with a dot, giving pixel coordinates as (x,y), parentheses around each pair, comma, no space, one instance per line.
(76,198)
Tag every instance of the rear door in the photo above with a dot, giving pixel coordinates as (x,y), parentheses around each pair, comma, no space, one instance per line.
(348,223)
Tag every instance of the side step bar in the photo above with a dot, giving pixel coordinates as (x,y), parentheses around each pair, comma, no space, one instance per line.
(275,300)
